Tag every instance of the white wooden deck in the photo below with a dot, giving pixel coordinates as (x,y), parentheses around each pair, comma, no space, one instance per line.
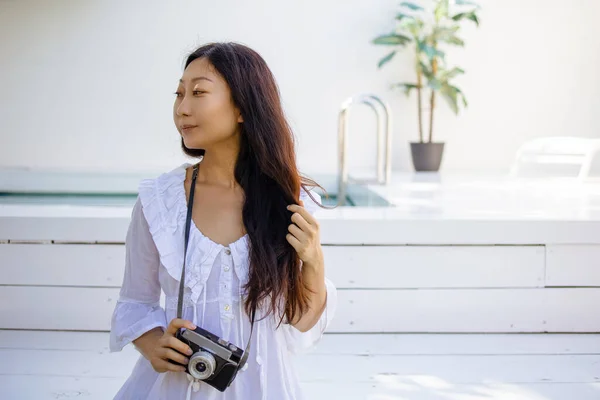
(60,365)
(487,269)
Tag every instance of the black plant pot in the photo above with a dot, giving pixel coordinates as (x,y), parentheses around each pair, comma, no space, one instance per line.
(427,157)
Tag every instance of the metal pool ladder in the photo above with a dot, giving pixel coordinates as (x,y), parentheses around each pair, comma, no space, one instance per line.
(382,111)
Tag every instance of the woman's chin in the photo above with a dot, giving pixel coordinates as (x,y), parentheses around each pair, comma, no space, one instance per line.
(192,143)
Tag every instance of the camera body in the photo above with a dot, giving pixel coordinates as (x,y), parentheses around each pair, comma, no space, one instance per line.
(214,361)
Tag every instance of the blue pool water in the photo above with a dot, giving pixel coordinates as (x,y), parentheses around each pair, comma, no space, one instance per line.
(120,189)
(127,200)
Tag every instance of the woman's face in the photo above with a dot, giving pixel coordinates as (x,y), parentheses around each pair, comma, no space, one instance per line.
(204,112)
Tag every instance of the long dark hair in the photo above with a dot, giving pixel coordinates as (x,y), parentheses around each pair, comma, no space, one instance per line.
(266,170)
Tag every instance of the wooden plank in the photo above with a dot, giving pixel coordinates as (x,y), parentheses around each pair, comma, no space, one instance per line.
(69,227)
(371,311)
(379,227)
(432,388)
(348,343)
(468,310)
(454,344)
(56,308)
(435,266)
(395,387)
(346,226)
(456,369)
(348,266)
(89,370)
(58,387)
(54,340)
(572,310)
(62,264)
(573,265)
(348,368)
(105,364)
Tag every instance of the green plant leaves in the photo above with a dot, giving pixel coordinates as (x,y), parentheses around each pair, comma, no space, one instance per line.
(401,16)
(467,15)
(431,30)
(441,10)
(430,51)
(385,59)
(414,26)
(467,3)
(447,35)
(412,6)
(451,94)
(455,40)
(391,40)
(407,87)
(449,74)
(424,69)
(435,84)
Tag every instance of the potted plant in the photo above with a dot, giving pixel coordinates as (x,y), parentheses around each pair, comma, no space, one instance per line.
(427,29)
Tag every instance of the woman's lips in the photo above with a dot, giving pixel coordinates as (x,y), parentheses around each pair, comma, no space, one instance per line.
(188,128)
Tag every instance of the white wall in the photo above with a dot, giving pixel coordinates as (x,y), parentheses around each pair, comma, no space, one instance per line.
(88,84)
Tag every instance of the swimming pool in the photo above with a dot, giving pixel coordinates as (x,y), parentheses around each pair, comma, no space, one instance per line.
(117,189)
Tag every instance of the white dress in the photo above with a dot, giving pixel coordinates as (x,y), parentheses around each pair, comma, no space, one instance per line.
(215,275)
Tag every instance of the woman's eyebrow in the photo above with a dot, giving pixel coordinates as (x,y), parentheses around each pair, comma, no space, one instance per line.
(198,78)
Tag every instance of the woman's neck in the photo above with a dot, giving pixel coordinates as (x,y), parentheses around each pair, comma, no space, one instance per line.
(218,167)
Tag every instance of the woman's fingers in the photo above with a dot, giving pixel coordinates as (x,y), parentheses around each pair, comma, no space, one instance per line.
(171,348)
(304,234)
(170,354)
(163,366)
(294,242)
(176,344)
(304,214)
(178,323)
(301,222)
(297,232)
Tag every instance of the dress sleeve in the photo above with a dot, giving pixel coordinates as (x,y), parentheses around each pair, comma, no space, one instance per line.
(297,341)
(138,308)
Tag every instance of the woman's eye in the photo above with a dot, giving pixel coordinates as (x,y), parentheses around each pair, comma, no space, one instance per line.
(195,93)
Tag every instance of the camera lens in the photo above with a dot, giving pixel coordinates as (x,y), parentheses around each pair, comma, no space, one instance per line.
(202,365)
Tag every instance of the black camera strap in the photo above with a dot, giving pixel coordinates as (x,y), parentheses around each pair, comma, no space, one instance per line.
(188,223)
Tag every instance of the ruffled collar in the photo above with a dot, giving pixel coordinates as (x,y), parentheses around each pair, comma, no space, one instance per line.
(165,207)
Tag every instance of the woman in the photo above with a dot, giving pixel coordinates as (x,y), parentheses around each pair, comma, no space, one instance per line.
(253,240)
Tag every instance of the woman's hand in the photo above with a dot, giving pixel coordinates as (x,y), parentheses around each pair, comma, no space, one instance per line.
(160,347)
(304,236)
